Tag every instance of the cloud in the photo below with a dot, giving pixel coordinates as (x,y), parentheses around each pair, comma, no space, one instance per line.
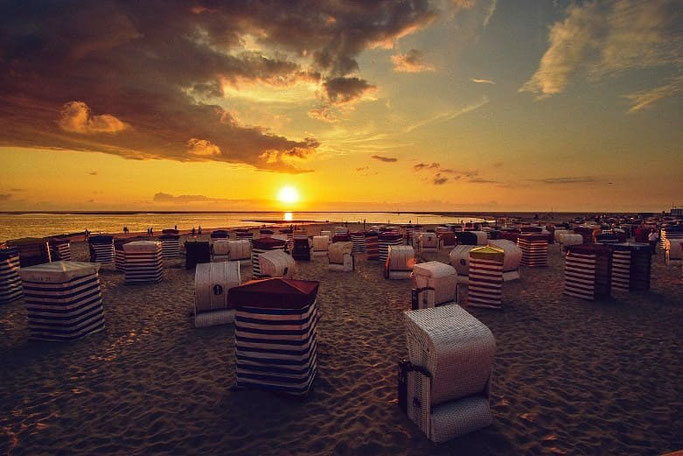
(384,159)
(479,180)
(446,116)
(76,118)
(202,148)
(645,99)
(482,81)
(325,114)
(439,179)
(601,39)
(142,81)
(5,196)
(363,168)
(411,62)
(92,173)
(421,166)
(567,180)
(346,90)
(484,9)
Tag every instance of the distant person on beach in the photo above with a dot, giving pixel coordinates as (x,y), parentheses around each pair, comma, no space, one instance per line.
(87,233)
(193,231)
(199,231)
(175,227)
(652,238)
(125,230)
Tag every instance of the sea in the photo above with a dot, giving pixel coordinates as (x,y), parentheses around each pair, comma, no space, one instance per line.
(19,225)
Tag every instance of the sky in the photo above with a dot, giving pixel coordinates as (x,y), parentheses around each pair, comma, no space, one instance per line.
(451,105)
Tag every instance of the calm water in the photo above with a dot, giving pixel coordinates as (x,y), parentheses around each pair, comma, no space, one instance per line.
(13,226)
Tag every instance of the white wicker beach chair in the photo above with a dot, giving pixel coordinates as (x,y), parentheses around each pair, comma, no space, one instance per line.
(448,377)
(340,257)
(211,284)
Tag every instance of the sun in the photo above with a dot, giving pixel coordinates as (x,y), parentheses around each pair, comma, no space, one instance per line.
(288,195)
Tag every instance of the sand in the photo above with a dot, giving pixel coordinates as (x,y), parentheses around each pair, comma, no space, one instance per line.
(571,376)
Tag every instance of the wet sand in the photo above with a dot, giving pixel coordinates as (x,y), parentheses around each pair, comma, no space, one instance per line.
(570,377)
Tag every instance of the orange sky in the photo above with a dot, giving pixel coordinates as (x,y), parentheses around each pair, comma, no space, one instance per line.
(476,106)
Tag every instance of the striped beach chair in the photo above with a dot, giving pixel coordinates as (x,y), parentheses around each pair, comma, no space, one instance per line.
(10,282)
(63,300)
(587,271)
(144,262)
(534,249)
(485,287)
(631,266)
(276,334)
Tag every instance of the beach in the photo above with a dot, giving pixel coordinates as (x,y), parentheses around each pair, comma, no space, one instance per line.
(570,376)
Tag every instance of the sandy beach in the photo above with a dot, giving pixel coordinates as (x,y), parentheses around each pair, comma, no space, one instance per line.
(571,376)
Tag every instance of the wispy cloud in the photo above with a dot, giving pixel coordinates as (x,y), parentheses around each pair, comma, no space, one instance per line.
(645,99)
(446,116)
(600,39)
(411,62)
(92,173)
(482,81)
(480,180)
(567,180)
(384,159)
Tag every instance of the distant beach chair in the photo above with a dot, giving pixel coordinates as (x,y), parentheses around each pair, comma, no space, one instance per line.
(534,249)
(320,245)
(387,239)
(32,251)
(587,271)
(435,283)
(143,262)
(60,249)
(428,242)
(445,385)
(239,250)
(101,248)
(260,246)
(399,263)
(340,257)
(276,263)
(220,250)
(212,281)
(197,252)
(631,267)
(170,245)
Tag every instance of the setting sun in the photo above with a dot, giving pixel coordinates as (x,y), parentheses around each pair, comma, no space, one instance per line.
(288,195)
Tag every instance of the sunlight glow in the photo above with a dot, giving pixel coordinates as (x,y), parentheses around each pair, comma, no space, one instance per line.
(288,195)
(288,217)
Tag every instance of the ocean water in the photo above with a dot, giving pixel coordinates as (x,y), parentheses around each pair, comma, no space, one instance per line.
(14,226)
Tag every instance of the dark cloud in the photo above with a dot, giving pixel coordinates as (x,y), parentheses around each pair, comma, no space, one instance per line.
(567,180)
(439,179)
(384,159)
(143,80)
(346,90)
(364,168)
(93,173)
(168,198)
(421,166)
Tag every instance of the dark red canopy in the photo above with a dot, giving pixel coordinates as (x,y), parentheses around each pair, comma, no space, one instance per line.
(274,293)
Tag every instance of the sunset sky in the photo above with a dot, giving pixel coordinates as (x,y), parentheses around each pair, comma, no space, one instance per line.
(359,105)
